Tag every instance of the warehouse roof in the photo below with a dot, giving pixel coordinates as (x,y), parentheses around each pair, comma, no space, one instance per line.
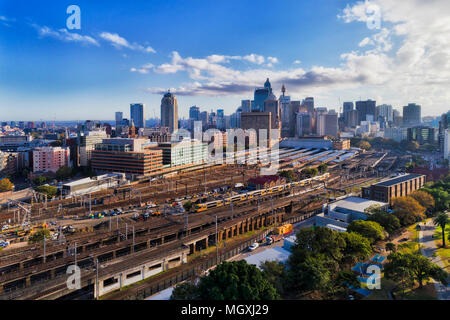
(397,180)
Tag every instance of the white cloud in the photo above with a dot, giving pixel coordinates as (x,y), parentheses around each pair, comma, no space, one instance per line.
(297,62)
(143,69)
(64,35)
(254,58)
(120,42)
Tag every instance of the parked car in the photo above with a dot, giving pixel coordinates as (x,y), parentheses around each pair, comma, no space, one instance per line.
(253,247)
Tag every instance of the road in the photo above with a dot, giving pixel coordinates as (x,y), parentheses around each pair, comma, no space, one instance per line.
(428,249)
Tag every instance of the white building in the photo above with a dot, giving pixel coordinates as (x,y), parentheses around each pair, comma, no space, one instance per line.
(338,215)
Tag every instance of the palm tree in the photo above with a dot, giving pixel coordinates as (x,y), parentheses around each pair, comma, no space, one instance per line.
(442,220)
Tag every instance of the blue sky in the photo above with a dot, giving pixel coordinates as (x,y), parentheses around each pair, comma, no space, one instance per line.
(210,53)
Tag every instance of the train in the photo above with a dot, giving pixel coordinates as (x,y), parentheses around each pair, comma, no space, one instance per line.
(200,207)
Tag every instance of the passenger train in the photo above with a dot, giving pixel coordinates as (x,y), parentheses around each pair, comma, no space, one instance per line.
(261,192)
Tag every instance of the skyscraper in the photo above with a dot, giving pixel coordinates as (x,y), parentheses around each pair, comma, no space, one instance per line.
(366,110)
(261,94)
(119,118)
(386,111)
(411,114)
(169,112)
(194,113)
(309,103)
(137,112)
(444,124)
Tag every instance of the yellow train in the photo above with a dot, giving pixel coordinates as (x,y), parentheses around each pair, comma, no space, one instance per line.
(262,192)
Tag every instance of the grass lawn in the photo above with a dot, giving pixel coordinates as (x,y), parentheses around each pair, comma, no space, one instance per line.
(444,253)
(383,293)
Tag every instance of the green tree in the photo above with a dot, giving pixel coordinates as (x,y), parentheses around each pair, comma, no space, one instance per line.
(6,185)
(387,220)
(310,172)
(408,210)
(276,273)
(40,180)
(369,229)
(188,205)
(442,220)
(236,280)
(391,247)
(322,168)
(64,173)
(38,236)
(414,267)
(50,191)
(288,175)
(185,291)
(357,247)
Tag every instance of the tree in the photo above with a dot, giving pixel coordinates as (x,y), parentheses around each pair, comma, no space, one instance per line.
(40,180)
(185,291)
(236,280)
(391,247)
(414,267)
(64,173)
(322,168)
(50,191)
(38,236)
(6,185)
(387,220)
(310,172)
(364,145)
(424,199)
(276,273)
(357,247)
(288,175)
(188,205)
(412,146)
(369,229)
(408,210)
(442,220)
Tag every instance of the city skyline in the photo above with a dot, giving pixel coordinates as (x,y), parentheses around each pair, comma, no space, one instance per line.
(53,73)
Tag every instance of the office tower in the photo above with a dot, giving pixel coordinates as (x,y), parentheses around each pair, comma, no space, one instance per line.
(398,119)
(246,105)
(256,121)
(366,110)
(327,124)
(294,108)
(422,135)
(86,144)
(348,106)
(119,118)
(169,112)
(304,124)
(261,94)
(444,124)
(386,111)
(446,147)
(204,118)
(309,103)
(272,105)
(137,112)
(411,114)
(220,120)
(194,113)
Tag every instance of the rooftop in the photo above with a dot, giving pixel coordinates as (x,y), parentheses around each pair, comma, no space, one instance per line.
(397,180)
(356,204)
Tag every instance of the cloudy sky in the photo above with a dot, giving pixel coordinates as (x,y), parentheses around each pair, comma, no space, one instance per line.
(214,53)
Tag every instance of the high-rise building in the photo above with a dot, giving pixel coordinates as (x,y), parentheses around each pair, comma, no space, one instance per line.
(194,113)
(422,135)
(204,118)
(169,112)
(86,144)
(137,112)
(304,124)
(327,124)
(119,118)
(348,106)
(444,124)
(309,103)
(261,94)
(386,111)
(366,110)
(284,112)
(447,144)
(411,115)
(246,105)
